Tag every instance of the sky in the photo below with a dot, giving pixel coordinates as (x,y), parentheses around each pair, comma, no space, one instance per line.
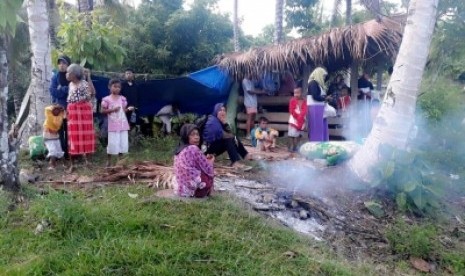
(256,14)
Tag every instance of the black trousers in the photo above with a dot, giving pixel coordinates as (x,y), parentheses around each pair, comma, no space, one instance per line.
(63,132)
(147,128)
(233,146)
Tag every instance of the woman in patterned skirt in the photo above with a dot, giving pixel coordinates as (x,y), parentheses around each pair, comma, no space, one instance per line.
(81,133)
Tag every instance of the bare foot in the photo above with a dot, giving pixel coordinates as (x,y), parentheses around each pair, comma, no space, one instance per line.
(241,167)
(249,157)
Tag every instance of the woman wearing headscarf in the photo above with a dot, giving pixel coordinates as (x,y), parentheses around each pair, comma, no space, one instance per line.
(317,124)
(193,170)
(81,133)
(219,138)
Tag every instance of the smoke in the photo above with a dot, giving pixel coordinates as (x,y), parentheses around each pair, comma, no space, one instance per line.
(438,144)
(305,178)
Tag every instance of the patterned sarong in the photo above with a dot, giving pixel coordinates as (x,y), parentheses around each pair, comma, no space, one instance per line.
(81,133)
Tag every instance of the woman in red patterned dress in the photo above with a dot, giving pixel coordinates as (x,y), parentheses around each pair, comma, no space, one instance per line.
(81,133)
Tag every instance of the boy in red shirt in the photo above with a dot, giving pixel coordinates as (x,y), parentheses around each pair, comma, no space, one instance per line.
(297,115)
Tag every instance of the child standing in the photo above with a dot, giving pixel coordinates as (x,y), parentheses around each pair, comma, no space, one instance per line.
(54,115)
(298,113)
(114,106)
(266,137)
(344,100)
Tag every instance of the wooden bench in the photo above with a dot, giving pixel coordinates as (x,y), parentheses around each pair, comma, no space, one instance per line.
(279,121)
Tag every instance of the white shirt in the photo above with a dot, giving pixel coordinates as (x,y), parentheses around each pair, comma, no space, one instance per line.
(250,100)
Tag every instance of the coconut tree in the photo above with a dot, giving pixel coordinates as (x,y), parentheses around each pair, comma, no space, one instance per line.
(237,46)
(8,141)
(53,18)
(278,30)
(85,5)
(41,66)
(396,117)
(372,5)
(336,10)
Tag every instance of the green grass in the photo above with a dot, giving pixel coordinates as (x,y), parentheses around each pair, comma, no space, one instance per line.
(109,233)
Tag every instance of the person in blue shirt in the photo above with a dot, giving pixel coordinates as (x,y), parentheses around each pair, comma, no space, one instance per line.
(59,92)
(219,138)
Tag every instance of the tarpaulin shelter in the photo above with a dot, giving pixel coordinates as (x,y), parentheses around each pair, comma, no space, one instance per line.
(196,93)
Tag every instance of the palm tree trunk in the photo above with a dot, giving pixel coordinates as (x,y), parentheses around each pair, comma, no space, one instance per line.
(237,46)
(53,22)
(334,13)
(8,145)
(16,95)
(86,6)
(41,65)
(396,118)
(278,29)
(348,12)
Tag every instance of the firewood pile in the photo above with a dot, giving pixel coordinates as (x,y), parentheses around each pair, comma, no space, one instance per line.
(156,175)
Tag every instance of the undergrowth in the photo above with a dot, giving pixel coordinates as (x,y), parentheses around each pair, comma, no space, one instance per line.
(413,240)
(422,240)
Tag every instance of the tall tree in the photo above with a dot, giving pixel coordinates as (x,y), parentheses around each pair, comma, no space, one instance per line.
(41,65)
(99,47)
(278,23)
(9,177)
(336,10)
(19,73)
(396,118)
(169,40)
(302,15)
(348,12)
(85,5)
(237,46)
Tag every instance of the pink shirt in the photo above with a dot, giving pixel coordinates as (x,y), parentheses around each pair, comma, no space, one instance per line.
(117,121)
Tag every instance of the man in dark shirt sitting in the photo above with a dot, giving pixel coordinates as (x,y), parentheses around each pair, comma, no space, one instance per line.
(364,87)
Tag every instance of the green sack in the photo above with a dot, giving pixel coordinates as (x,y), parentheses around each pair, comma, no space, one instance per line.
(37,147)
(334,154)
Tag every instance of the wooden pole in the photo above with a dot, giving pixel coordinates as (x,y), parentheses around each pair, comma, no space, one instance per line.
(379,77)
(305,76)
(354,81)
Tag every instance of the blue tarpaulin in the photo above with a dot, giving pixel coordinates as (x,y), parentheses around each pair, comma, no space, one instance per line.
(196,93)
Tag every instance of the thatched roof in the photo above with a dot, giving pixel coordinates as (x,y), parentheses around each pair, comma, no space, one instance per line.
(335,50)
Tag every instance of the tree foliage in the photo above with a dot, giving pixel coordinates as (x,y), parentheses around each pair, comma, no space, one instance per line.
(8,16)
(99,47)
(302,15)
(447,54)
(166,39)
(19,65)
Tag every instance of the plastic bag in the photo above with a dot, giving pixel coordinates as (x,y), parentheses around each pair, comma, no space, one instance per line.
(37,147)
(329,111)
(334,154)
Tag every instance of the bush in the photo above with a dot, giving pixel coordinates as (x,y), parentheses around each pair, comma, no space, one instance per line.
(407,177)
(413,240)
(438,98)
(455,262)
